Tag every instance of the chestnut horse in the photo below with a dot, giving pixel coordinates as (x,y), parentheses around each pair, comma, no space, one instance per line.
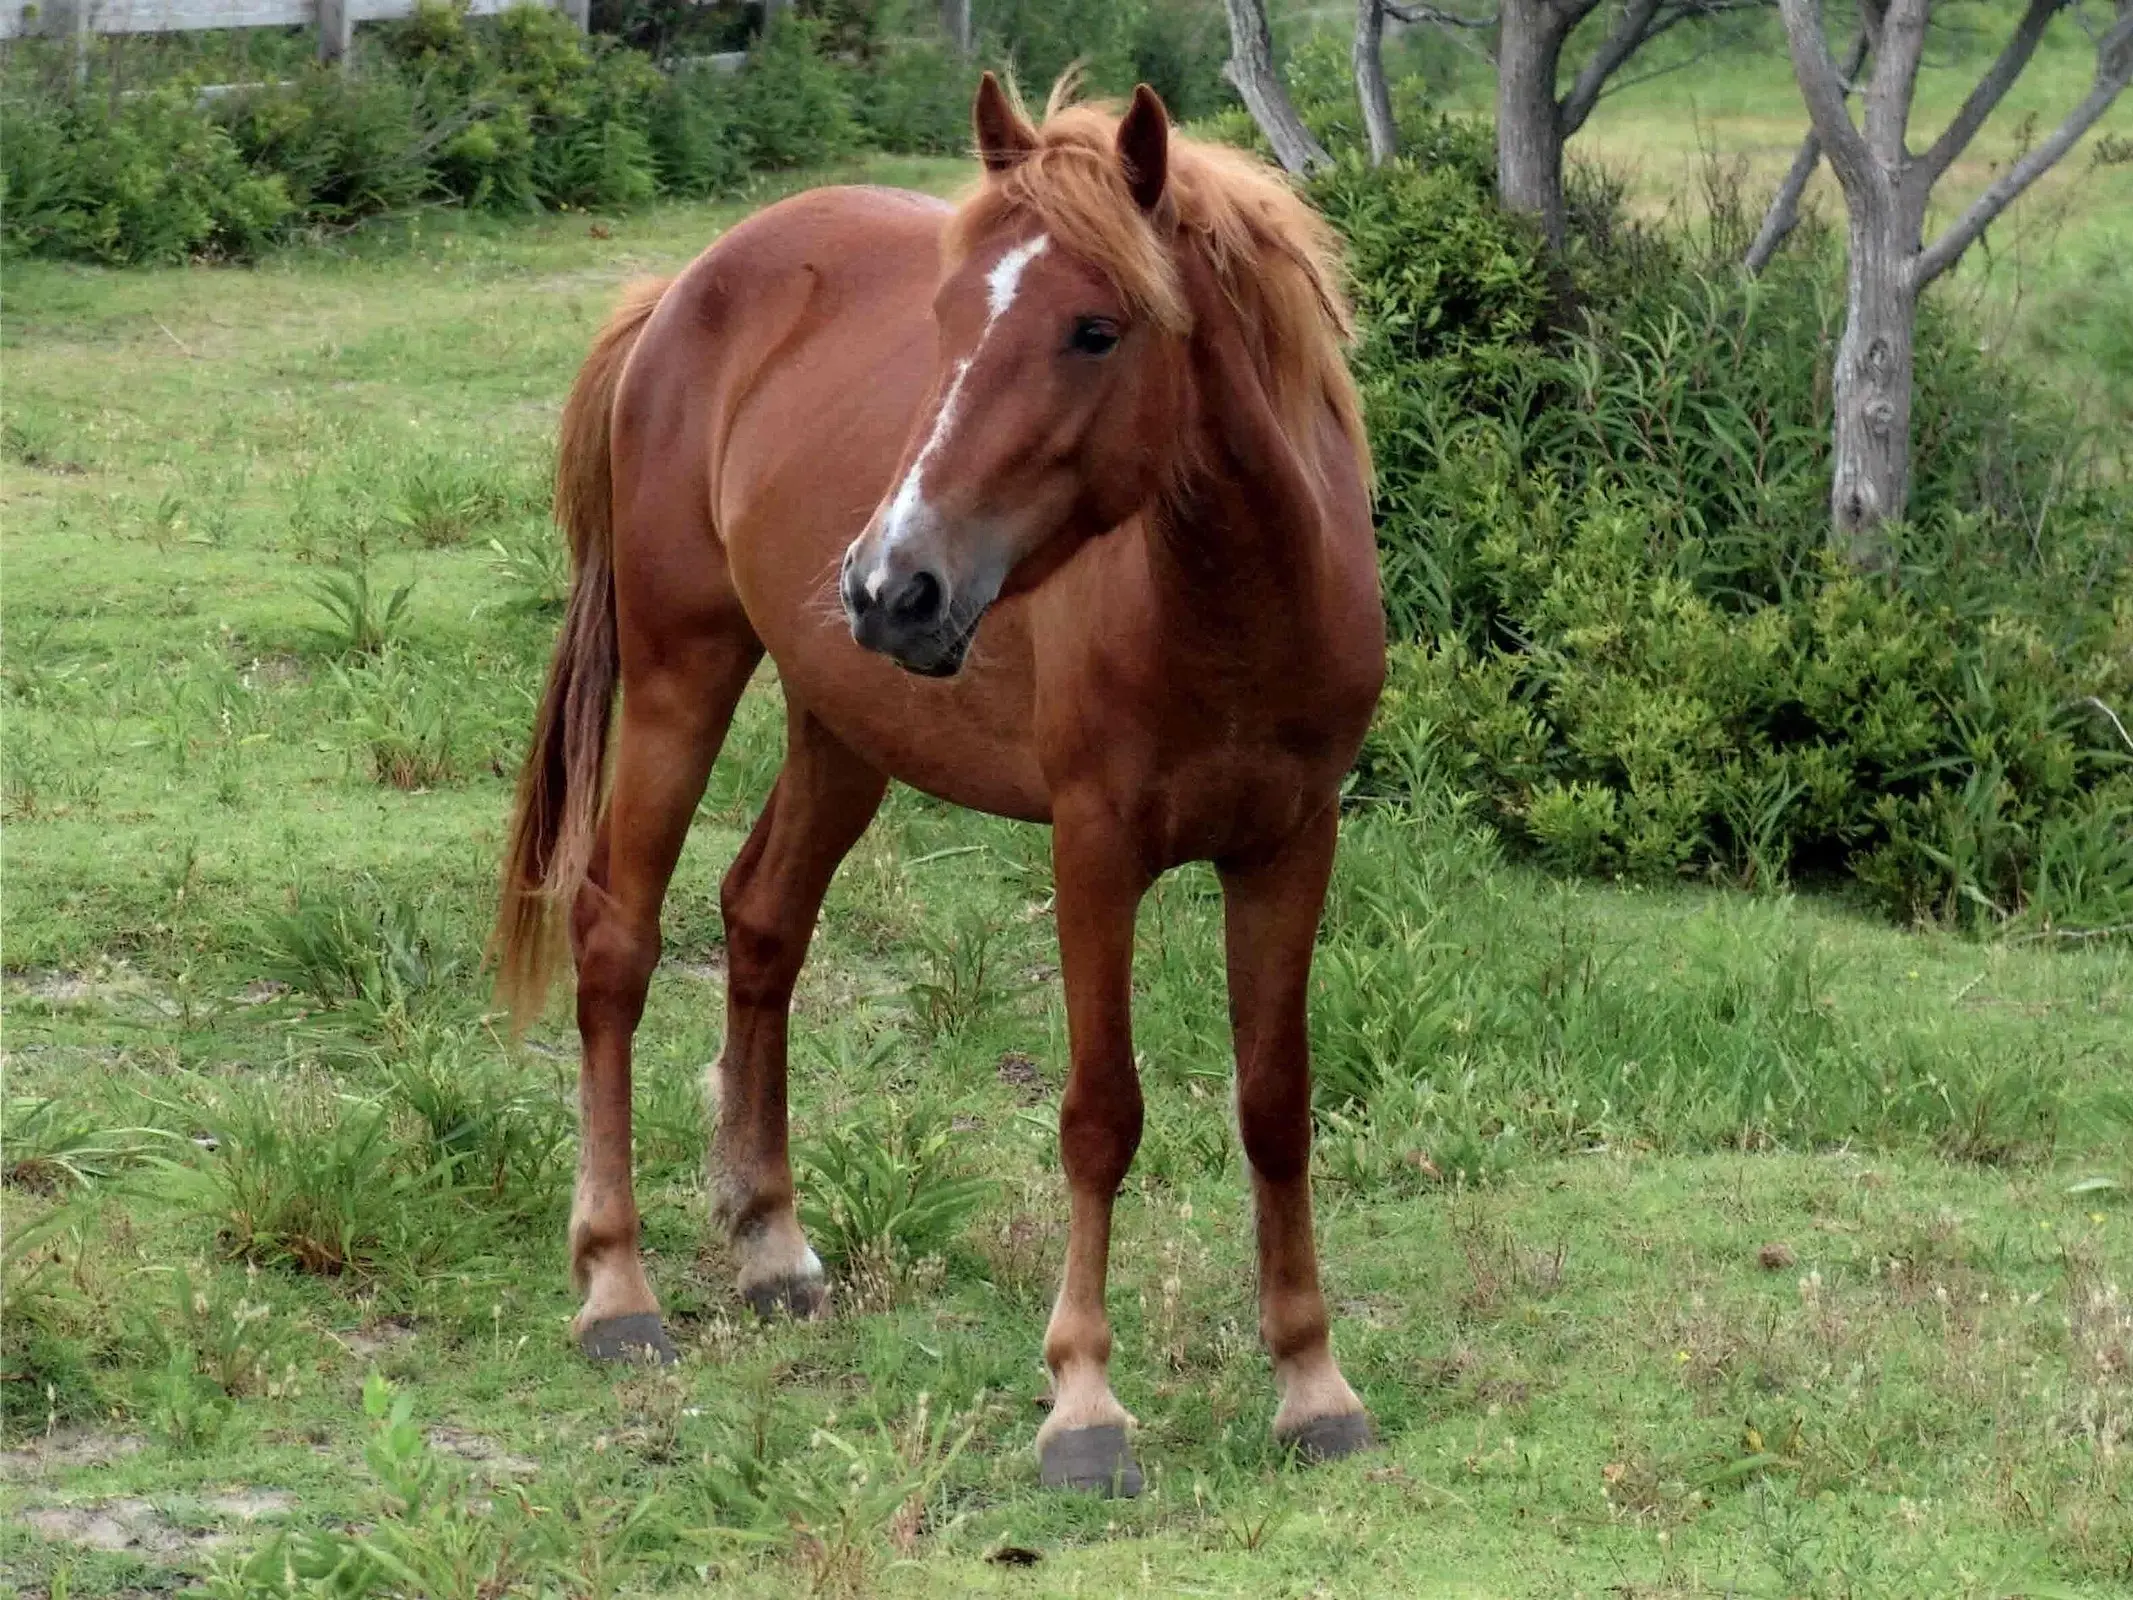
(1124,441)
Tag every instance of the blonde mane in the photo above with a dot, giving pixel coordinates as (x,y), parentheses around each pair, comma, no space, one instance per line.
(1278,262)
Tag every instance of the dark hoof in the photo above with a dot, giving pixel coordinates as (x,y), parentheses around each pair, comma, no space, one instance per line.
(637,1338)
(804,1298)
(1330,1438)
(1090,1458)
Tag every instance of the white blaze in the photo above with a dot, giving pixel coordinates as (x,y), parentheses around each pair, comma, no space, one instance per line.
(908,508)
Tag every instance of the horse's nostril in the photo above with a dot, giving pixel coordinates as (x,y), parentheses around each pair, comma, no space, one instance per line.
(919,600)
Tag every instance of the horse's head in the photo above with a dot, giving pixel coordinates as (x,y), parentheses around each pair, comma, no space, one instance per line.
(1055,409)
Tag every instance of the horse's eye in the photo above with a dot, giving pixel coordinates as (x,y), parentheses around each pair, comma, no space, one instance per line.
(1092,336)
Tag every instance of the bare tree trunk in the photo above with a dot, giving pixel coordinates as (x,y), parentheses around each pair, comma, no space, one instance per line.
(1251,69)
(1886,191)
(955,23)
(1871,468)
(1529,130)
(1370,87)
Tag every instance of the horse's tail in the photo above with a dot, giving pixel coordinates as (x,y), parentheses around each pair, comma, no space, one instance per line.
(559,789)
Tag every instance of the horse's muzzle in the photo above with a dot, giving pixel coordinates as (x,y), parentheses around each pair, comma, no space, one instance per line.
(908,619)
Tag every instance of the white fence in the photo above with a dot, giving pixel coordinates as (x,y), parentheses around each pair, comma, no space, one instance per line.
(77,19)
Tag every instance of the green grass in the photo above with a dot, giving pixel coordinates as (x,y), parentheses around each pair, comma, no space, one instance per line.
(1682,1242)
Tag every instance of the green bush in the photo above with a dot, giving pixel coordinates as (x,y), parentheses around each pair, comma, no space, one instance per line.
(347,145)
(794,106)
(696,134)
(917,99)
(1177,46)
(513,113)
(145,179)
(1602,512)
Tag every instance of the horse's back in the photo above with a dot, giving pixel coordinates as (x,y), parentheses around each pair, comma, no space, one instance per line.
(776,386)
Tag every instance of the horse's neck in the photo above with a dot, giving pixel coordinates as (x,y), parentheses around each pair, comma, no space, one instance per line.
(1239,551)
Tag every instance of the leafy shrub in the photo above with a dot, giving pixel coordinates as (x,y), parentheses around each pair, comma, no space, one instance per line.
(794,108)
(1602,523)
(696,140)
(146,179)
(1177,46)
(346,144)
(512,113)
(917,99)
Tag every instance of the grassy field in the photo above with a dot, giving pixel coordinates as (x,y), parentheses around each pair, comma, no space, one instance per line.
(1682,1242)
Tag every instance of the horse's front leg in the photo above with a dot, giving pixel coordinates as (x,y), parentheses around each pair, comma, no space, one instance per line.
(1272,907)
(1083,1444)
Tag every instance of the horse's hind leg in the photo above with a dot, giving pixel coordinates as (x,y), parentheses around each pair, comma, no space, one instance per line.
(678,697)
(1272,911)
(824,799)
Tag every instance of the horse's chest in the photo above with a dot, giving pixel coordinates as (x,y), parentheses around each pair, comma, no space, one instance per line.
(1230,790)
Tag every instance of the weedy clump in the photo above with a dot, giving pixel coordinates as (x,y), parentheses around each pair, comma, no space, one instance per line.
(365,951)
(893,1192)
(300,1176)
(360,620)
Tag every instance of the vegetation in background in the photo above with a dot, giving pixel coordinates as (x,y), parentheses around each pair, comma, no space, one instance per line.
(516,113)
(521,112)
(1600,511)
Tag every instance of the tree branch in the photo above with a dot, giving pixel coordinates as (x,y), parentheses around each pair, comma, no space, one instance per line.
(1630,31)
(1251,69)
(2114,69)
(1895,80)
(1957,135)
(1824,92)
(1412,13)
(1667,20)
(1369,59)
(1784,213)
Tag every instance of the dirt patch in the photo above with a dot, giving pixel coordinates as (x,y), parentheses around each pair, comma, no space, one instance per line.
(367,1343)
(486,1455)
(249,1505)
(135,1525)
(273,670)
(1022,1074)
(108,1525)
(85,1447)
(116,986)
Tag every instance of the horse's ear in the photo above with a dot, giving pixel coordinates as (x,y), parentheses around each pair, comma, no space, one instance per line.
(1003,137)
(1144,147)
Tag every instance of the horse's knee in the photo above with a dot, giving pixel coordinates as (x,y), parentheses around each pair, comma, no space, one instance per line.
(615,962)
(763,953)
(1098,1136)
